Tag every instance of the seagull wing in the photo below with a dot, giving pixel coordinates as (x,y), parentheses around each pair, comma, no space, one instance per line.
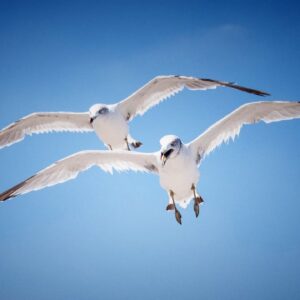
(69,167)
(163,87)
(43,123)
(229,127)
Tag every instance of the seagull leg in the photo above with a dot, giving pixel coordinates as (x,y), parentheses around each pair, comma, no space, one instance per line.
(197,200)
(109,146)
(173,206)
(126,141)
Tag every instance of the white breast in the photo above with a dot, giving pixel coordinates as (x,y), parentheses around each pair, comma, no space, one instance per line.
(179,174)
(112,129)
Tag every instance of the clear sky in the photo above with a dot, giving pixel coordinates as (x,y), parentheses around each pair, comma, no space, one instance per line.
(109,237)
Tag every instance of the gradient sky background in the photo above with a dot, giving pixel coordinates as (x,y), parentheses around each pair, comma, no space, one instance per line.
(109,237)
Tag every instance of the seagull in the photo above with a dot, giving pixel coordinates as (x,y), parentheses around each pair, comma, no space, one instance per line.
(176,163)
(110,121)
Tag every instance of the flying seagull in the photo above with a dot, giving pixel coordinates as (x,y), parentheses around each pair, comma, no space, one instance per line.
(176,163)
(110,122)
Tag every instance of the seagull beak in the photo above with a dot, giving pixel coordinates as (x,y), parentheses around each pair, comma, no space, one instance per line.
(163,158)
(92,120)
(165,155)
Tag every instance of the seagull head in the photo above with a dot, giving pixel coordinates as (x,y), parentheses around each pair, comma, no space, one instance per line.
(98,110)
(170,147)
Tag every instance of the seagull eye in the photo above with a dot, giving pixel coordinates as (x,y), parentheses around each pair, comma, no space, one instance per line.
(103,110)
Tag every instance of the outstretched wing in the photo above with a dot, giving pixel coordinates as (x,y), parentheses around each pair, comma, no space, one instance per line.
(163,87)
(69,167)
(249,113)
(43,123)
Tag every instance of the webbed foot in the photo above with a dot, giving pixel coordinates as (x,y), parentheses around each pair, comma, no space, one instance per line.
(136,144)
(178,216)
(170,206)
(196,208)
(197,201)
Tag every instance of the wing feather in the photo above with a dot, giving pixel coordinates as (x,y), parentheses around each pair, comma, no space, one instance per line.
(69,168)
(162,87)
(229,127)
(44,123)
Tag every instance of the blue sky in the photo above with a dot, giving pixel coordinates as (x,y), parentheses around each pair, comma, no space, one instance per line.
(109,237)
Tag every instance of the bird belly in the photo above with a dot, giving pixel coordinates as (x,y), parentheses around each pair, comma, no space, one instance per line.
(179,178)
(112,130)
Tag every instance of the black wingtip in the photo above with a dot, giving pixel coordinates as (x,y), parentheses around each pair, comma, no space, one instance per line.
(5,196)
(237,87)
(12,192)
(247,90)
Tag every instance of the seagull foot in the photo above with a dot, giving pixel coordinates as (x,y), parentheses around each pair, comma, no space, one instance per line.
(178,216)
(196,208)
(170,206)
(136,144)
(173,206)
(199,199)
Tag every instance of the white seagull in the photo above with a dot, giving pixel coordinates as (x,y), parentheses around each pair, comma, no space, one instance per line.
(110,121)
(176,163)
